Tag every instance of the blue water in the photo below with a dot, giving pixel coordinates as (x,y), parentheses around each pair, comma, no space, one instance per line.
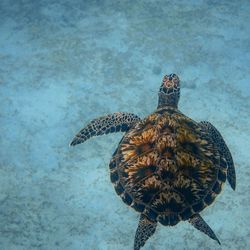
(63,63)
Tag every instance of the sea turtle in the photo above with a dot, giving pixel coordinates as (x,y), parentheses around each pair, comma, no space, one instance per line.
(167,166)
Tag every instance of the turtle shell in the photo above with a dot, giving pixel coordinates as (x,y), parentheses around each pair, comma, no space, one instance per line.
(167,167)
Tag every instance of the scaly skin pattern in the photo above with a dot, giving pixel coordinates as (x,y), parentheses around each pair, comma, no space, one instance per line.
(116,122)
(167,168)
(144,231)
(224,151)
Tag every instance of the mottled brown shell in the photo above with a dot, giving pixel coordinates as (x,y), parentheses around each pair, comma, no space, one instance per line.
(167,168)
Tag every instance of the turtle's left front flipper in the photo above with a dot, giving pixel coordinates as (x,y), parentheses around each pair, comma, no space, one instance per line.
(197,221)
(224,150)
(116,122)
(145,230)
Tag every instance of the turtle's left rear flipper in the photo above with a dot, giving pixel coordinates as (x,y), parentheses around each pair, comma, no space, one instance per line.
(145,230)
(116,122)
(197,221)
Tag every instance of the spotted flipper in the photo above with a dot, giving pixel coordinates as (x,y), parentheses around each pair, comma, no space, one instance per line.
(217,138)
(197,221)
(145,230)
(116,122)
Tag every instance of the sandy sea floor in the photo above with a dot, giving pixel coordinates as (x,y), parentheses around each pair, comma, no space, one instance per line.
(63,63)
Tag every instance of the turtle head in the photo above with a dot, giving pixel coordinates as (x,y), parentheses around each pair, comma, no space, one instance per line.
(169,92)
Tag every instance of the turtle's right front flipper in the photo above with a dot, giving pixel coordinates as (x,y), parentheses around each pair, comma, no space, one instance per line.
(116,122)
(224,150)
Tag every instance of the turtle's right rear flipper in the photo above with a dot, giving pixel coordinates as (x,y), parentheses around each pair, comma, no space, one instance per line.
(116,122)
(197,221)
